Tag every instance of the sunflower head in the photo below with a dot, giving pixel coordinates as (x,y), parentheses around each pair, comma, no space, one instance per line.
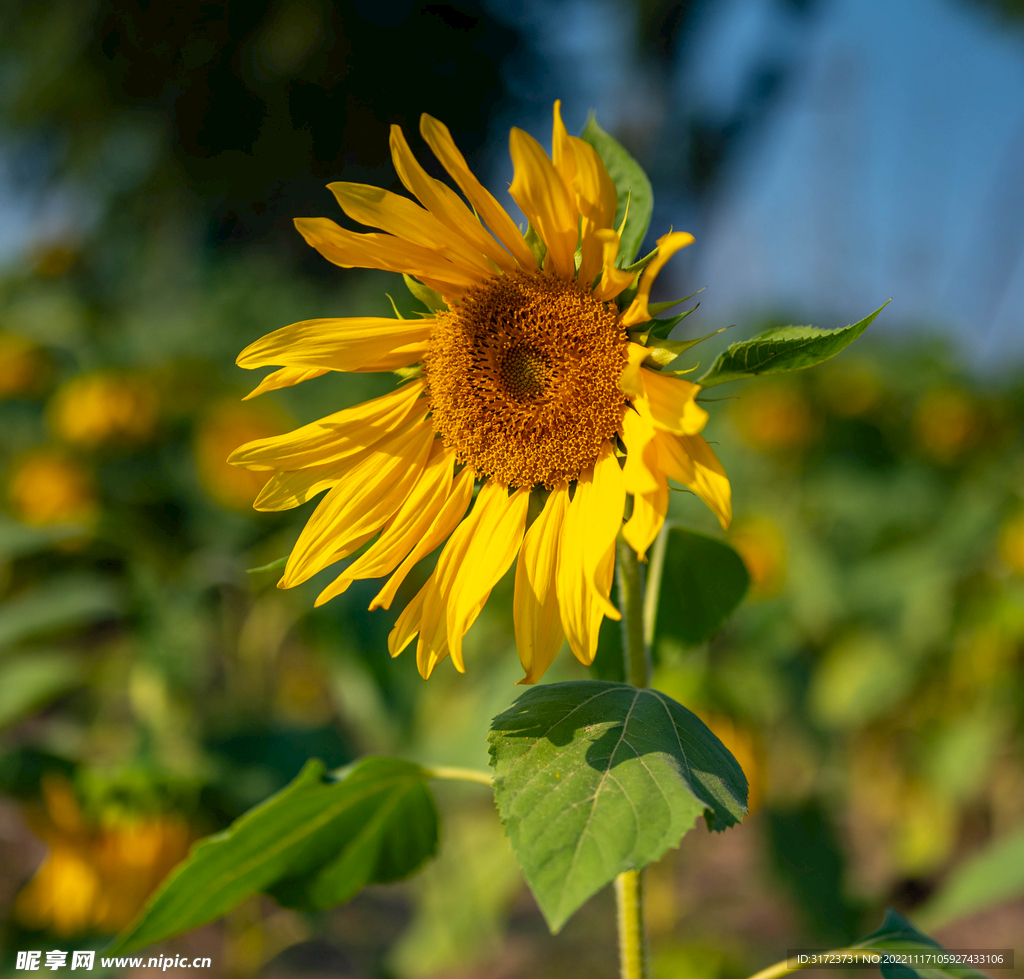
(532,371)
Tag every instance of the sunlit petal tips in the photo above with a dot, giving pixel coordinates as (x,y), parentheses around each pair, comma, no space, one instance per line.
(523,382)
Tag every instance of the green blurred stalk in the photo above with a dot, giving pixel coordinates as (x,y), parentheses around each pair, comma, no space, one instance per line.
(629,886)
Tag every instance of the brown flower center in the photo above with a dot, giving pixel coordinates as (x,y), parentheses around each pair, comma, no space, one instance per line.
(523,377)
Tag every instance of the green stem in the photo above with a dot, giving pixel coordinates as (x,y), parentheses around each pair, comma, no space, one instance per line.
(460,774)
(631,601)
(629,886)
(783,968)
(629,900)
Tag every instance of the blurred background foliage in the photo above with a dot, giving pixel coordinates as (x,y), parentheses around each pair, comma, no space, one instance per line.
(152,157)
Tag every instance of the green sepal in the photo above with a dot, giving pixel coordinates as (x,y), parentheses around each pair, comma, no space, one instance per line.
(273,566)
(593,778)
(661,328)
(314,844)
(641,263)
(536,245)
(624,298)
(783,349)
(631,183)
(408,373)
(432,300)
(656,308)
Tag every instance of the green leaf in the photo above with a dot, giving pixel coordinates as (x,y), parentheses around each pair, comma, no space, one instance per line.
(431,299)
(695,582)
(60,603)
(632,185)
(314,844)
(536,244)
(32,680)
(593,778)
(896,934)
(17,539)
(781,349)
(988,878)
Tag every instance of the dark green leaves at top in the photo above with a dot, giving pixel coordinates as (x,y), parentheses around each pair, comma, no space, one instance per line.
(695,583)
(786,348)
(314,844)
(593,778)
(632,185)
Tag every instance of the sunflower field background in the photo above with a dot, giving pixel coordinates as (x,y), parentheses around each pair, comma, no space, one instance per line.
(154,684)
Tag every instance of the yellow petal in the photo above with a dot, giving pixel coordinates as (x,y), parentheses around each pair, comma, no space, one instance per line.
(613,280)
(668,245)
(491,551)
(584,174)
(376,251)
(408,625)
(286,377)
(645,523)
(562,155)
(543,198)
(580,611)
(602,506)
(538,625)
(336,344)
(440,527)
(406,528)
(405,219)
(439,139)
(586,555)
(630,381)
(287,490)
(361,502)
(411,353)
(689,460)
(641,470)
(336,437)
(444,203)
(478,553)
(672,403)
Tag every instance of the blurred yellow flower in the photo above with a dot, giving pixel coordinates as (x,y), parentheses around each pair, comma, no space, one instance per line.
(776,417)
(49,487)
(1011,543)
(523,380)
(23,366)
(763,548)
(95,878)
(220,429)
(947,423)
(98,409)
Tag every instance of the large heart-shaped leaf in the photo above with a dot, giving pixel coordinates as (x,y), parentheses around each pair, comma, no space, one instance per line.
(594,778)
(314,844)
(632,186)
(782,349)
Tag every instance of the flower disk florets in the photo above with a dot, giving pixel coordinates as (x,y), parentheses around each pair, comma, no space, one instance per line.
(523,377)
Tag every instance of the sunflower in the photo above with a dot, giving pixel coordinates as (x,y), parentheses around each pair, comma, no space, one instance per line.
(527,382)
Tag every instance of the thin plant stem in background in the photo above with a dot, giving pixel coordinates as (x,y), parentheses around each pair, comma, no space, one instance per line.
(629,886)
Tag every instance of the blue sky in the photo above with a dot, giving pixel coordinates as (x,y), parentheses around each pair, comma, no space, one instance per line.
(892,166)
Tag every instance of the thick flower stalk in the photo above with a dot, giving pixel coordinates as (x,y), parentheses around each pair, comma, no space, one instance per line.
(525,380)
